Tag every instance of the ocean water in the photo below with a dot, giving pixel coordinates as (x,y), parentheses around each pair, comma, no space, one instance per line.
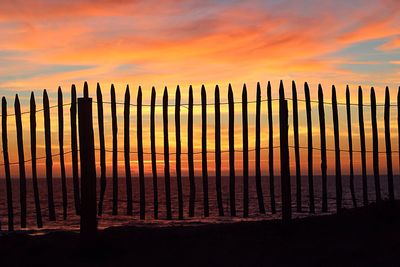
(107,219)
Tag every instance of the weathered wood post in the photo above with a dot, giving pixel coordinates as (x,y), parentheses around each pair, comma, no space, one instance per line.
(245,135)
(100,121)
(61,150)
(166,156)
(21,161)
(375,147)
(192,183)
(140,154)
(284,144)
(35,185)
(353,195)
(128,178)
(296,147)
(218,151)
(271,150)
(49,159)
(398,121)
(260,195)
(7,172)
(88,223)
(74,148)
(323,148)
(310,148)
(232,189)
(153,151)
(388,146)
(204,149)
(338,169)
(362,146)
(115,150)
(178,151)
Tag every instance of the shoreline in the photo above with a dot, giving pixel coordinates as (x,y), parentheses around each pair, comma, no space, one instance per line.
(366,236)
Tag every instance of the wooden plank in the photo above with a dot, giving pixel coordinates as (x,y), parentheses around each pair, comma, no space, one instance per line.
(166,156)
(10,208)
(349,134)
(218,186)
(74,149)
(338,170)
(178,151)
(100,120)
(260,196)
(39,220)
(139,135)
(115,150)
(375,147)
(296,148)
(21,162)
(362,146)
(61,151)
(204,149)
(49,159)
(245,135)
(88,222)
(232,189)
(153,151)
(284,144)
(398,122)
(128,178)
(388,146)
(192,183)
(310,149)
(323,148)
(271,150)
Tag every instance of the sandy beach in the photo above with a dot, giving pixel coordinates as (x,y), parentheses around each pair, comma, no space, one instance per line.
(357,237)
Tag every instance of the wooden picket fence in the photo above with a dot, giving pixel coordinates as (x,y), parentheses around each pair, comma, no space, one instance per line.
(84,185)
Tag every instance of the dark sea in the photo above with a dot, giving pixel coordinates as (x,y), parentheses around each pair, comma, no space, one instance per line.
(107,220)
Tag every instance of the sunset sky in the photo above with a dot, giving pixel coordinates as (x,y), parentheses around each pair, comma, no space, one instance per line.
(45,44)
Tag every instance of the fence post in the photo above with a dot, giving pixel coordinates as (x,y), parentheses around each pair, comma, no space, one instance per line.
(260,195)
(128,179)
(140,155)
(362,146)
(338,170)
(323,148)
(61,149)
(217,109)
(153,151)
(245,134)
(375,147)
(271,150)
(398,120)
(192,182)
(88,223)
(115,150)
(204,148)
(232,190)
(33,156)
(296,147)
(353,195)
(49,159)
(10,208)
(166,156)
(100,120)
(74,148)
(178,150)
(284,144)
(388,146)
(310,148)
(21,160)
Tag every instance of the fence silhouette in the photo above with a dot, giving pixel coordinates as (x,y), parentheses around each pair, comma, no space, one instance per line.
(88,203)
